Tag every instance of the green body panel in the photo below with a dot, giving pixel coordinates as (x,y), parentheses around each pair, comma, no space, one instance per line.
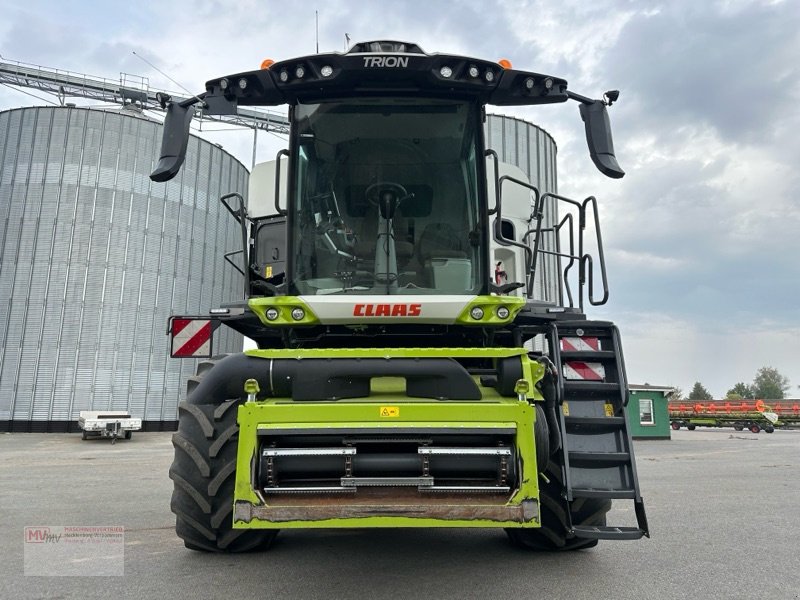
(397,353)
(489,305)
(492,411)
(285,304)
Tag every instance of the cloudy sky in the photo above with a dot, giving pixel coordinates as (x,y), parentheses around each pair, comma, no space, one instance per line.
(702,235)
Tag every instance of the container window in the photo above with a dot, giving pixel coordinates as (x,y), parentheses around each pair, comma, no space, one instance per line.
(646,411)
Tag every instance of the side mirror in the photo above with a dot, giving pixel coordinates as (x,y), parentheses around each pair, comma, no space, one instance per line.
(174,142)
(598,137)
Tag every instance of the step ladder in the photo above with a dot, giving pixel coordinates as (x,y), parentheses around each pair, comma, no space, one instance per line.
(597,450)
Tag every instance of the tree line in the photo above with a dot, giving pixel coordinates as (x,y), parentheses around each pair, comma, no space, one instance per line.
(768,384)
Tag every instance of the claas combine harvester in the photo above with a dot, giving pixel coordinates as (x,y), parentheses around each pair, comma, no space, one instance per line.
(401,380)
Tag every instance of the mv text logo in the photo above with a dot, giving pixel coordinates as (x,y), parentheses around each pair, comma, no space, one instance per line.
(40,535)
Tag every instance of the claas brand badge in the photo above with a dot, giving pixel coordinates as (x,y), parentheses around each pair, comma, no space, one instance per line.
(387,310)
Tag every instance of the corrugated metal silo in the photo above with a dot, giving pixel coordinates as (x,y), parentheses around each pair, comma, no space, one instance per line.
(94,257)
(533,150)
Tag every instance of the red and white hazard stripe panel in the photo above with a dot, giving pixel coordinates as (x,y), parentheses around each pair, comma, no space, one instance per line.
(191,338)
(580,344)
(580,370)
(584,371)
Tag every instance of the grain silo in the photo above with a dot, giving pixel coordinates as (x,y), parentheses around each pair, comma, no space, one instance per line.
(533,150)
(94,257)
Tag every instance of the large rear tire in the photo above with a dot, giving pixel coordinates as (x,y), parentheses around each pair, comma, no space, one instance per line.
(553,535)
(204,471)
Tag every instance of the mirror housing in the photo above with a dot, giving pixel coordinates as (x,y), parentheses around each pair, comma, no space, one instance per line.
(173,142)
(598,137)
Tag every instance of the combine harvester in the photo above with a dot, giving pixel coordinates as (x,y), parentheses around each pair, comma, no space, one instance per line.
(755,416)
(395,382)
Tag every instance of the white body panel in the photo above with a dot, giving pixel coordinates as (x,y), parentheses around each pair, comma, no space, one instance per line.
(362,310)
(261,188)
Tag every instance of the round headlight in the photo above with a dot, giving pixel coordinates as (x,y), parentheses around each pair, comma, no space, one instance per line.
(489,76)
(503,312)
(529,82)
(476,313)
(271,314)
(473,71)
(298,314)
(299,72)
(326,71)
(243,83)
(223,83)
(446,72)
(548,83)
(284,76)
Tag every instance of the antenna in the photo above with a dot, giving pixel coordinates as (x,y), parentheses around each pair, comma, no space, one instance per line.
(346,41)
(143,59)
(316,18)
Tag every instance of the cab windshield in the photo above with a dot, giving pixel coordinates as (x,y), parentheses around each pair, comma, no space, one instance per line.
(386,198)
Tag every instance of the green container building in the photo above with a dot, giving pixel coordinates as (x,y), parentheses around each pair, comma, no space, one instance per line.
(648,415)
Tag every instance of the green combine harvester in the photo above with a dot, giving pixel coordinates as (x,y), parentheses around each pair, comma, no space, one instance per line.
(400,380)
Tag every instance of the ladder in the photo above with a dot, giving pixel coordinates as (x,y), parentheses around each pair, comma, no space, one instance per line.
(597,450)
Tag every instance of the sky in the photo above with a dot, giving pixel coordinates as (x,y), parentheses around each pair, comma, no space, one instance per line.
(702,235)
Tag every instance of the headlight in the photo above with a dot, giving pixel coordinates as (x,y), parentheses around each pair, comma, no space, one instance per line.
(298,314)
(476,313)
(503,312)
(271,314)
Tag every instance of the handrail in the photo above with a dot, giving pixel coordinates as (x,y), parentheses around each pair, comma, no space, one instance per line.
(278,208)
(584,259)
(240,215)
(600,255)
(498,231)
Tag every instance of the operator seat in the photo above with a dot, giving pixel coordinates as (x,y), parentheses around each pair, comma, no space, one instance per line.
(441,252)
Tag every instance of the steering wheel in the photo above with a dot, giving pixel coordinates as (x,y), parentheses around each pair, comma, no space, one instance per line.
(387,196)
(373,191)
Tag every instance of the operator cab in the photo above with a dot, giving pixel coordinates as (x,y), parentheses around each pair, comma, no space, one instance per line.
(386,199)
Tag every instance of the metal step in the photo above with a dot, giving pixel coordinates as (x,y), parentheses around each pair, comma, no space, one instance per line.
(587,355)
(623,494)
(587,387)
(598,458)
(607,533)
(594,422)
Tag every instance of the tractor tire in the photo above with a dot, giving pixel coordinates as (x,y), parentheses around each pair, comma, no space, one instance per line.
(691,427)
(769,428)
(203,473)
(754,428)
(553,535)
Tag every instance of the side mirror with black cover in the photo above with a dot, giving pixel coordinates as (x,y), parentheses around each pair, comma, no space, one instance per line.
(173,142)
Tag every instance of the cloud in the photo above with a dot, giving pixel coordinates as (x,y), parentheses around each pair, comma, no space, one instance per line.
(701,235)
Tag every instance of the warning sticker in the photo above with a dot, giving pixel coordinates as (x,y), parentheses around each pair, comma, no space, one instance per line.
(609,410)
(390,412)
(565,409)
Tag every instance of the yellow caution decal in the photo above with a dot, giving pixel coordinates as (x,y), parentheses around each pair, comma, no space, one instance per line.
(390,412)
(565,409)
(609,410)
